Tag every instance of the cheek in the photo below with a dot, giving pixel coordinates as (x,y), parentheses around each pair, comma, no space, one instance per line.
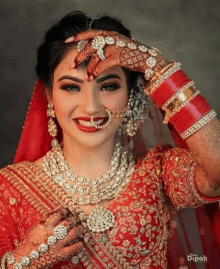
(116,102)
(63,104)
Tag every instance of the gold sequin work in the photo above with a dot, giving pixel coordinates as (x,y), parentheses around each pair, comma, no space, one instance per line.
(162,183)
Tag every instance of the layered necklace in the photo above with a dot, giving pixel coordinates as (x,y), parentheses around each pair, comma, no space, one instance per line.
(84,191)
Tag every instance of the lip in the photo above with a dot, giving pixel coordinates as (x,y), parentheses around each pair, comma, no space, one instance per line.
(85,128)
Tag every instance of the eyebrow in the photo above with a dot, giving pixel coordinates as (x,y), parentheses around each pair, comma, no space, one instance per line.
(71,78)
(108,77)
(98,80)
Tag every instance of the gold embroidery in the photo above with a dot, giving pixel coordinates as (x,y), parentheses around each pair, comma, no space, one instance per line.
(16,242)
(12,201)
(20,185)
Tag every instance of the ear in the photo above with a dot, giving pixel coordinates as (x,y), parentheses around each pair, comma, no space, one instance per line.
(49,95)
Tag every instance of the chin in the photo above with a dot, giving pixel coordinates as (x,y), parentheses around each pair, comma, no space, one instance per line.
(94,141)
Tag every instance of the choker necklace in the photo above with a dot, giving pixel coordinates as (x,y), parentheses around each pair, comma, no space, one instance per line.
(91,191)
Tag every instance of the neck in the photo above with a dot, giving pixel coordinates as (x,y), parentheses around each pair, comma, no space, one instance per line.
(86,161)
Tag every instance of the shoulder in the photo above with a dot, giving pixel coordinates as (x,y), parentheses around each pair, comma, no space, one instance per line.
(153,155)
(164,152)
(13,169)
(14,175)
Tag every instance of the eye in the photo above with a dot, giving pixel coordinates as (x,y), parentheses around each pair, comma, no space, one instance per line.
(110,87)
(70,88)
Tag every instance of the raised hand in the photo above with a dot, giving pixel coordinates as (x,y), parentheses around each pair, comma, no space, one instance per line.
(55,238)
(109,48)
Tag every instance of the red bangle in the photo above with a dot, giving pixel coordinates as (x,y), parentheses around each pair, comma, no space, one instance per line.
(194,113)
(169,87)
(190,113)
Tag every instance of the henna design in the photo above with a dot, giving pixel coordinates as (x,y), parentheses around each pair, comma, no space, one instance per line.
(84,54)
(54,256)
(215,131)
(133,59)
(204,183)
(39,233)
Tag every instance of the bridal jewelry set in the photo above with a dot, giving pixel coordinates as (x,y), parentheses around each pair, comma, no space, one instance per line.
(85,191)
(91,191)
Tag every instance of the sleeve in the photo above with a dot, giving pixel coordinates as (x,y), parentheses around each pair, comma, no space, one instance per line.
(9,217)
(178,177)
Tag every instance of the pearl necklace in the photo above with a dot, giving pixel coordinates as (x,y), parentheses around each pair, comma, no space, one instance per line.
(87,191)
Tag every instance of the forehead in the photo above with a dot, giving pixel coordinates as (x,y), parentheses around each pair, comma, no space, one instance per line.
(63,67)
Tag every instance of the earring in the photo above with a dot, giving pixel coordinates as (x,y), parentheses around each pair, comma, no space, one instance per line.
(137,111)
(52,127)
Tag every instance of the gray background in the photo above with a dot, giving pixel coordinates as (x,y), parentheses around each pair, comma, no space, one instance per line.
(185,31)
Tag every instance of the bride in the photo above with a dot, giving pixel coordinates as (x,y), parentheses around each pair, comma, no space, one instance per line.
(86,189)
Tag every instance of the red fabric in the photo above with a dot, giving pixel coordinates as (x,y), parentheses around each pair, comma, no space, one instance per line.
(142,213)
(35,142)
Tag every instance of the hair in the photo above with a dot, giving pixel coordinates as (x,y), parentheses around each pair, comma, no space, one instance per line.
(53,49)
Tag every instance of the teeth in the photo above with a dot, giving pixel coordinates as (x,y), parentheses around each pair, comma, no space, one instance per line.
(88,123)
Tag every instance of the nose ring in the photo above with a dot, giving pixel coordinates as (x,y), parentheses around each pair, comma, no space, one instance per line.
(105,125)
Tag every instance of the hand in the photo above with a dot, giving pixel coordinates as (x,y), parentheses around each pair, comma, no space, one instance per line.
(62,250)
(132,56)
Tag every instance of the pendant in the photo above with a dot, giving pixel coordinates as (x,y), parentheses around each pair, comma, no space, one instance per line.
(100,219)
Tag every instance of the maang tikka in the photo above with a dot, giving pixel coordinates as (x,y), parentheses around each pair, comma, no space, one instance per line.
(52,127)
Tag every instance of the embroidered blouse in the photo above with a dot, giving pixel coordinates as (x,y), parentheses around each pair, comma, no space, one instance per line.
(163,182)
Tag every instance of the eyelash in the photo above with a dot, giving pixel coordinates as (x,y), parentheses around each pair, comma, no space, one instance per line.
(74,88)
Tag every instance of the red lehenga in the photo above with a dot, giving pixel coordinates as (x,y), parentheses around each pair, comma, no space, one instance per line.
(145,235)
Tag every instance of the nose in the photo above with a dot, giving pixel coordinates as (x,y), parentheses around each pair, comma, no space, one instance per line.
(90,103)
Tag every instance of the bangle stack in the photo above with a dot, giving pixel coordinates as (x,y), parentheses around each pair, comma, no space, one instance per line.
(60,232)
(176,94)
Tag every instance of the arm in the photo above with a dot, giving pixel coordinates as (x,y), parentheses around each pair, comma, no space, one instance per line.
(205,146)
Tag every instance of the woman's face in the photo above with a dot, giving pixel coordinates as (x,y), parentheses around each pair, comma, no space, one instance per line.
(76,100)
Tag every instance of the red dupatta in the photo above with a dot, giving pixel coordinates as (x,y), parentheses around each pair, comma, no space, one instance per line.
(35,142)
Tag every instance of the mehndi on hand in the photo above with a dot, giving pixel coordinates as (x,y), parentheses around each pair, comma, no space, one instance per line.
(55,238)
(108,48)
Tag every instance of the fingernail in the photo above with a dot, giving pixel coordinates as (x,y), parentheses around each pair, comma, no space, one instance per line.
(91,78)
(73,66)
(70,39)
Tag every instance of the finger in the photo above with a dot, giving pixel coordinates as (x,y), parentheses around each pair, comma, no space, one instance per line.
(103,65)
(90,34)
(74,235)
(74,219)
(83,55)
(56,216)
(68,223)
(95,59)
(73,249)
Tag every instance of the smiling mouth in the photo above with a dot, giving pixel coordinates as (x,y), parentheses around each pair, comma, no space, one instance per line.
(89,124)
(85,122)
